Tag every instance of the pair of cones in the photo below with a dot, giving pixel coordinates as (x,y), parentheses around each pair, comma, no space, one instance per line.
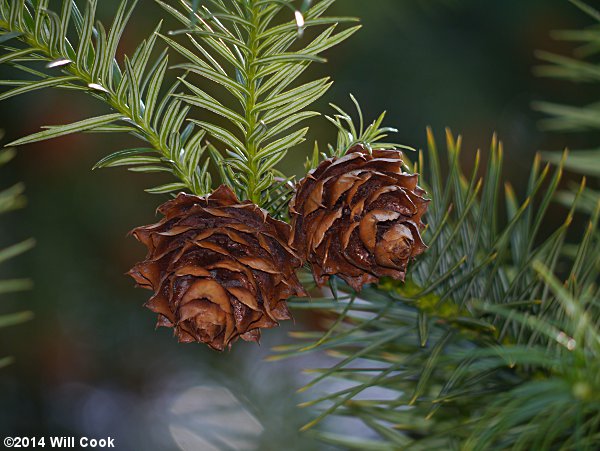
(222,269)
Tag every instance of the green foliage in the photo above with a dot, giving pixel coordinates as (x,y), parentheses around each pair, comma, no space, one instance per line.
(80,54)
(472,347)
(255,50)
(350,134)
(562,407)
(11,199)
(581,68)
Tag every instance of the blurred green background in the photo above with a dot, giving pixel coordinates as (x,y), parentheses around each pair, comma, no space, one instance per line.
(91,363)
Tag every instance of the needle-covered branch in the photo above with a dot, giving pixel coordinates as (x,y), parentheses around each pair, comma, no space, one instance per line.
(80,54)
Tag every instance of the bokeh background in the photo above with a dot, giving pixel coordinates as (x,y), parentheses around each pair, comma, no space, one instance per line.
(91,363)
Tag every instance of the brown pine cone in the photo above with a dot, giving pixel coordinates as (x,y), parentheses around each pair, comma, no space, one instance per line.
(220,269)
(359,217)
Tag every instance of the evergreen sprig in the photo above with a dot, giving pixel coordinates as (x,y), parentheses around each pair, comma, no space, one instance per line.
(80,54)
(250,49)
(581,68)
(476,322)
(12,198)
(351,133)
(560,405)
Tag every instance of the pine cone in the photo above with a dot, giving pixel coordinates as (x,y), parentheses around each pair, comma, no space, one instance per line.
(220,269)
(359,217)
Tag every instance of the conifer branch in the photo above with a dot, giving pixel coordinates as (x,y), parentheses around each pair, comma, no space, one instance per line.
(240,46)
(12,198)
(579,67)
(478,315)
(133,91)
(246,47)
